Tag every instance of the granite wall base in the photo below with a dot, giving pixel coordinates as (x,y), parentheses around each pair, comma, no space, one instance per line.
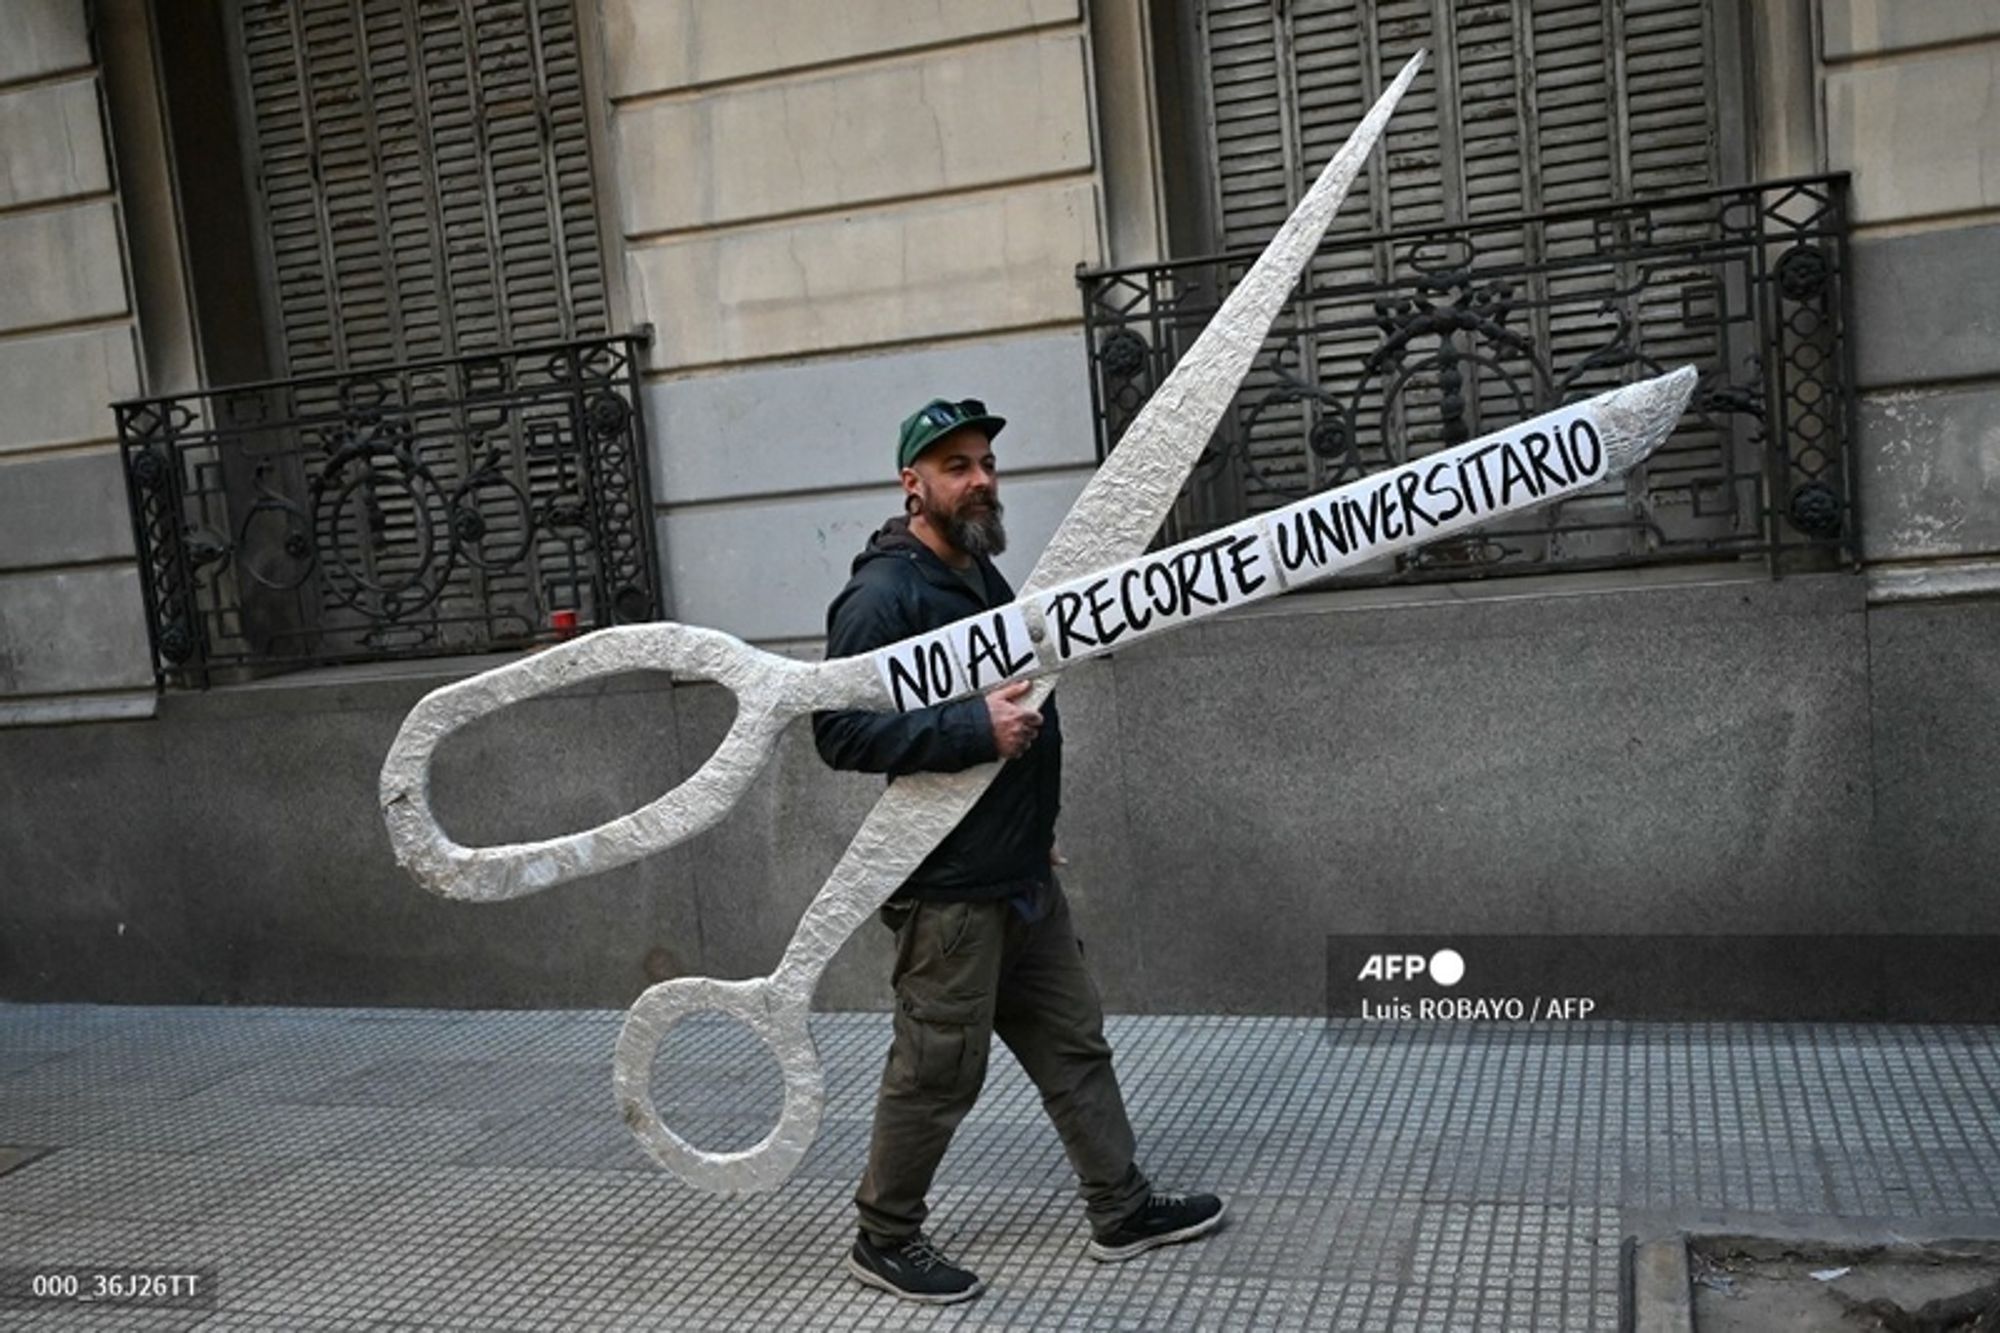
(1699,755)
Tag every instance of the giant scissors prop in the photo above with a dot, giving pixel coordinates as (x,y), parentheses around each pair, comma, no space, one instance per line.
(1093,588)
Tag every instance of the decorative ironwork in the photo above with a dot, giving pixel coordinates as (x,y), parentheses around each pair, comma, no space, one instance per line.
(431,508)
(1400,344)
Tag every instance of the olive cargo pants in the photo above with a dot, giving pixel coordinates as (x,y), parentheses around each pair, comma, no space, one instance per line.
(965,971)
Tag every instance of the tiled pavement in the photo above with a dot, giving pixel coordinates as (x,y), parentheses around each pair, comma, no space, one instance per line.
(348,1169)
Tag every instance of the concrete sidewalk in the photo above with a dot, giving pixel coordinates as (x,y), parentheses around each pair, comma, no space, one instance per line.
(344,1169)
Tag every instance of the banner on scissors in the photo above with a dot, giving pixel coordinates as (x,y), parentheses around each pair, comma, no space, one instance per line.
(1556,454)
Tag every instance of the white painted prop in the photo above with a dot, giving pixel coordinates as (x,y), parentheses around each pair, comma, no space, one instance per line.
(1549,458)
(1116,515)
(1111,522)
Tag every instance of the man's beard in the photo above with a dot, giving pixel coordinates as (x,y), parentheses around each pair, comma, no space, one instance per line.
(973,529)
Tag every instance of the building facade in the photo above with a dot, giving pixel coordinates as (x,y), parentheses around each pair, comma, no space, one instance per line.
(348,342)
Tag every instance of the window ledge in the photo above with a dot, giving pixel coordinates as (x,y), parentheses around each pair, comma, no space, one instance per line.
(65,709)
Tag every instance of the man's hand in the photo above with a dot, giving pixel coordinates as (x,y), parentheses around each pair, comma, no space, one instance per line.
(1014,727)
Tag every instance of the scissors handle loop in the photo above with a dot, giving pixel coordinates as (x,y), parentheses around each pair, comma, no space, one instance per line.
(773,1007)
(770,691)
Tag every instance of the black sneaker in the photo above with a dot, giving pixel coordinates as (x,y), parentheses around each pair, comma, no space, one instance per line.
(1165,1219)
(914,1269)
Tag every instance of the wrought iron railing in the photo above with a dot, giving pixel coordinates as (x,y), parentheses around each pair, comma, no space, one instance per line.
(487,501)
(1399,344)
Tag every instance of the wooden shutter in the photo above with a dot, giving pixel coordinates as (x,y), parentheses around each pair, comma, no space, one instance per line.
(424,173)
(1529,106)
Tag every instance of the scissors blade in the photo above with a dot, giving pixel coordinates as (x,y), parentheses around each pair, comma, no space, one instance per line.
(1127,499)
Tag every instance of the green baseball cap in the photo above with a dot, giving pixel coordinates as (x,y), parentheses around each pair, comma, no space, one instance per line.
(939,418)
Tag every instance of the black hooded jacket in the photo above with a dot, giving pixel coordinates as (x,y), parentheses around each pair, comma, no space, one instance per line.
(1001,847)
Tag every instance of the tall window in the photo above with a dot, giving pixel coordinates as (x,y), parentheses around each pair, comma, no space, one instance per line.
(1528,106)
(1560,205)
(422,435)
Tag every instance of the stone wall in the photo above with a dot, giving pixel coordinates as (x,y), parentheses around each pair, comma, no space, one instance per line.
(830,213)
(72,636)
(1673,754)
(1910,111)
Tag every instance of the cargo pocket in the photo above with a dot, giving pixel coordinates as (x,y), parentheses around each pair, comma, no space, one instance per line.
(945,1013)
(944,1001)
(940,1055)
(947,1043)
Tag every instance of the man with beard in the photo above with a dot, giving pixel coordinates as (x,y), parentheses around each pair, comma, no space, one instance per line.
(984,942)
